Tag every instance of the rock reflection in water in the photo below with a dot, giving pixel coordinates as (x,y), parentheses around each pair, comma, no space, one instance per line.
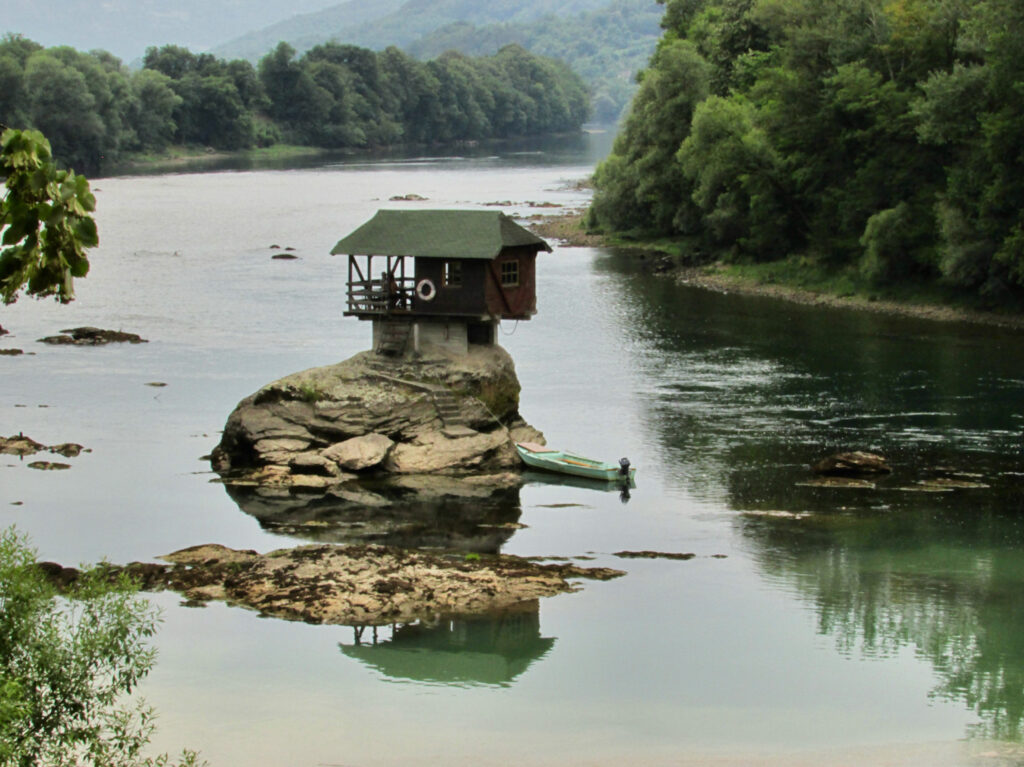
(492,650)
(459,513)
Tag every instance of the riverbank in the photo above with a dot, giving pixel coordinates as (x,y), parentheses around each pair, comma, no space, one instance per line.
(179,158)
(797,279)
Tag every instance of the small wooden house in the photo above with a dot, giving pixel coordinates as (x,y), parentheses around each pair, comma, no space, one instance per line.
(441,277)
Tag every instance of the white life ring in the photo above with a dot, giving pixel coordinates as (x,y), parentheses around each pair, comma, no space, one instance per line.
(425,290)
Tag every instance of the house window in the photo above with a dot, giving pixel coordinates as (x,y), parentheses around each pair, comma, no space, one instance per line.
(453,274)
(509,273)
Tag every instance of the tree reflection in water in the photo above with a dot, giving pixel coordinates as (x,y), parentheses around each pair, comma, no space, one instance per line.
(745,392)
(943,577)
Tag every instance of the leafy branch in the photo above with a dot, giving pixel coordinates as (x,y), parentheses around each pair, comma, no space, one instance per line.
(45,220)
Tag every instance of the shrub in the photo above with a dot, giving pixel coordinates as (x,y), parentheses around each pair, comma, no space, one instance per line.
(67,664)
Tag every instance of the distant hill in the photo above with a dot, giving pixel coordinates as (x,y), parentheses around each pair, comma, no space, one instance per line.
(343,22)
(606,47)
(127,27)
(605,41)
(391,22)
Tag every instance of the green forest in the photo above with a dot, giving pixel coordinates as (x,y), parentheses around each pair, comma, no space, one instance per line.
(883,139)
(96,111)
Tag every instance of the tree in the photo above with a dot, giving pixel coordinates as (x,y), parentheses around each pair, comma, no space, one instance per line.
(641,186)
(155,102)
(66,663)
(737,181)
(62,107)
(296,101)
(44,219)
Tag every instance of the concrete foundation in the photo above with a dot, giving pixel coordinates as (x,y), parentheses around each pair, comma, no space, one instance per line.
(452,336)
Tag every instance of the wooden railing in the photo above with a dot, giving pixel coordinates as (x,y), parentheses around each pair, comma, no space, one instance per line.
(381,296)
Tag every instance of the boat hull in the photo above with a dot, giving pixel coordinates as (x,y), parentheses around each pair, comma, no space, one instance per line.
(575,465)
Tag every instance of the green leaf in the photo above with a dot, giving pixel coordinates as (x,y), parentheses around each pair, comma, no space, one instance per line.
(86,233)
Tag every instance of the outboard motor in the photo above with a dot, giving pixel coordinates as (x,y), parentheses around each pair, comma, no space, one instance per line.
(624,467)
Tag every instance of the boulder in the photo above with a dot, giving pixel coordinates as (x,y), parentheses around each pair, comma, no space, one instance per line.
(359,453)
(308,463)
(443,412)
(434,452)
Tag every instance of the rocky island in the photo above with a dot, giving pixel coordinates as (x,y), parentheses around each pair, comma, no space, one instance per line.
(410,444)
(439,412)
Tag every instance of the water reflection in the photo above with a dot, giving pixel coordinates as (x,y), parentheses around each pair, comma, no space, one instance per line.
(624,489)
(484,650)
(412,512)
(759,386)
(745,393)
(946,580)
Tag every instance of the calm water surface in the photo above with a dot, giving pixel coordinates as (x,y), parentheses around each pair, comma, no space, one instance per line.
(813,625)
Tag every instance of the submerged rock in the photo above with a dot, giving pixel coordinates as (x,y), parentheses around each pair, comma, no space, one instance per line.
(358,585)
(89,336)
(654,555)
(377,414)
(939,484)
(49,466)
(855,463)
(848,483)
(22,445)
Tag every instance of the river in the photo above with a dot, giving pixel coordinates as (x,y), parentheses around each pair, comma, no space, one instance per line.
(813,625)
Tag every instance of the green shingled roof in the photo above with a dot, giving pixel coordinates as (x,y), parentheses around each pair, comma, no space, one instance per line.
(437,234)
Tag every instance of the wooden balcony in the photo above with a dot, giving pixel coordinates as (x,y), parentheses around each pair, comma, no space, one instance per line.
(381,297)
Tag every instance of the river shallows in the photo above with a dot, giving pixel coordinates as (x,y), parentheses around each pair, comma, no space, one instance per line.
(818,625)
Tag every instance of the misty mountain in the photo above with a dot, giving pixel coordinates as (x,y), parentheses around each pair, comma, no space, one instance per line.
(400,22)
(605,41)
(127,27)
(606,47)
(343,22)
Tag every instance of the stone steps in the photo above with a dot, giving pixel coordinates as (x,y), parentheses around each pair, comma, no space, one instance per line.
(448,408)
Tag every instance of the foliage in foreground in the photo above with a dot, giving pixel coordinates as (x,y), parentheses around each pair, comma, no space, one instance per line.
(67,664)
(876,136)
(44,219)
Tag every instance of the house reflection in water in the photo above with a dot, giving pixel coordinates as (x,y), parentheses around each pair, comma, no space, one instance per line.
(490,650)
